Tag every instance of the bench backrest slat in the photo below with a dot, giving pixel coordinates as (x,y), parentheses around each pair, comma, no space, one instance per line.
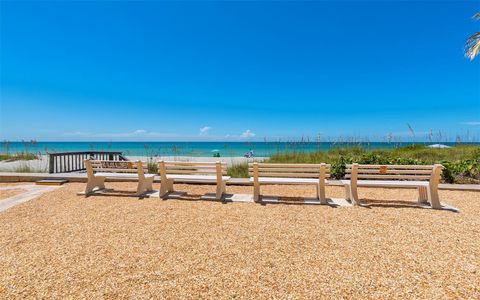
(112,166)
(410,167)
(192,168)
(395,171)
(115,166)
(391,172)
(392,177)
(288,170)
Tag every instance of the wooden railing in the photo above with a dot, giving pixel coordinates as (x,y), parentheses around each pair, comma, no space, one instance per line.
(64,162)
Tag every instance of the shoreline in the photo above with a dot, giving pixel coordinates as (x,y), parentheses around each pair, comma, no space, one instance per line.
(41,165)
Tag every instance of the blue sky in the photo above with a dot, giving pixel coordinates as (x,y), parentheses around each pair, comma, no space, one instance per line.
(171,71)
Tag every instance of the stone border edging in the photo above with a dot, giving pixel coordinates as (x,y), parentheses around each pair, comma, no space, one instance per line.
(82,177)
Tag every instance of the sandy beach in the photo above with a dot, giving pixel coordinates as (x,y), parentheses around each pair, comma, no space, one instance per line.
(119,246)
(41,165)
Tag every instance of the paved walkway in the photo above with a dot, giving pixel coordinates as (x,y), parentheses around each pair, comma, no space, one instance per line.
(30,192)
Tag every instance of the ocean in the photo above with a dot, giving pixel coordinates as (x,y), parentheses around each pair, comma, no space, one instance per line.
(199,149)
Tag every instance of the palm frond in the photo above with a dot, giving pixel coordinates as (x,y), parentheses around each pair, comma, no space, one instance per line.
(472,46)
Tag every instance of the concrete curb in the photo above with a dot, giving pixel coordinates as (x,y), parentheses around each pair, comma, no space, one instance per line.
(82,177)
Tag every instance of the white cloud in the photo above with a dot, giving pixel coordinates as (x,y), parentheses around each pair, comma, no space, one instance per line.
(204,130)
(472,123)
(139,133)
(247,134)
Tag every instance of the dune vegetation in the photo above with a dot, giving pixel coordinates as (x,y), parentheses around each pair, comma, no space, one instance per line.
(461,162)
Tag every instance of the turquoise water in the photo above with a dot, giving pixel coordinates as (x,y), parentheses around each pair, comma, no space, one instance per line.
(226,149)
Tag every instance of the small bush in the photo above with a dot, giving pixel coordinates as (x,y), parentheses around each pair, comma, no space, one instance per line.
(461,171)
(238,170)
(448,174)
(152,167)
(462,162)
(337,169)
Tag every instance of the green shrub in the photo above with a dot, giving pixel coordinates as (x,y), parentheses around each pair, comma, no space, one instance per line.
(152,167)
(337,169)
(448,174)
(373,159)
(462,162)
(238,170)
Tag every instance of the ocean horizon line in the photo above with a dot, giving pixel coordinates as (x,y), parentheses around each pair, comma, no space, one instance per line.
(2,141)
(202,149)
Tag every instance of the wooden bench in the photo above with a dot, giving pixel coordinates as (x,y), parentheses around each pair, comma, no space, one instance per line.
(197,172)
(423,177)
(99,170)
(266,173)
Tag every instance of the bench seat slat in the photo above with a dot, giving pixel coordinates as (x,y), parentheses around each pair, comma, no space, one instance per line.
(112,170)
(200,178)
(273,165)
(190,167)
(122,175)
(388,183)
(291,170)
(398,177)
(281,180)
(391,171)
(189,163)
(293,175)
(191,171)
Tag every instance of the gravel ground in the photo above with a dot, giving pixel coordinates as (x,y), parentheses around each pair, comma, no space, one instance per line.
(61,245)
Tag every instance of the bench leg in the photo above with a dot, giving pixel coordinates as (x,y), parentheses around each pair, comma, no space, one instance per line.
(256,192)
(353,193)
(422,194)
(221,188)
(321,194)
(347,192)
(93,183)
(145,186)
(166,187)
(432,194)
(149,184)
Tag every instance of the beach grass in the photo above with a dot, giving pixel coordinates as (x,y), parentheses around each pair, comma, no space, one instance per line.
(152,167)
(18,156)
(461,163)
(412,153)
(239,170)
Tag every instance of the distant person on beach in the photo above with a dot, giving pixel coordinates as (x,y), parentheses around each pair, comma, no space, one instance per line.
(249,154)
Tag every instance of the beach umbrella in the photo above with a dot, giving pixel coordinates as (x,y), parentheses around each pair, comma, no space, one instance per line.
(216,153)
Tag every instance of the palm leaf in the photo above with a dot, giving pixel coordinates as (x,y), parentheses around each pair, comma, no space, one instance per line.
(472,45)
